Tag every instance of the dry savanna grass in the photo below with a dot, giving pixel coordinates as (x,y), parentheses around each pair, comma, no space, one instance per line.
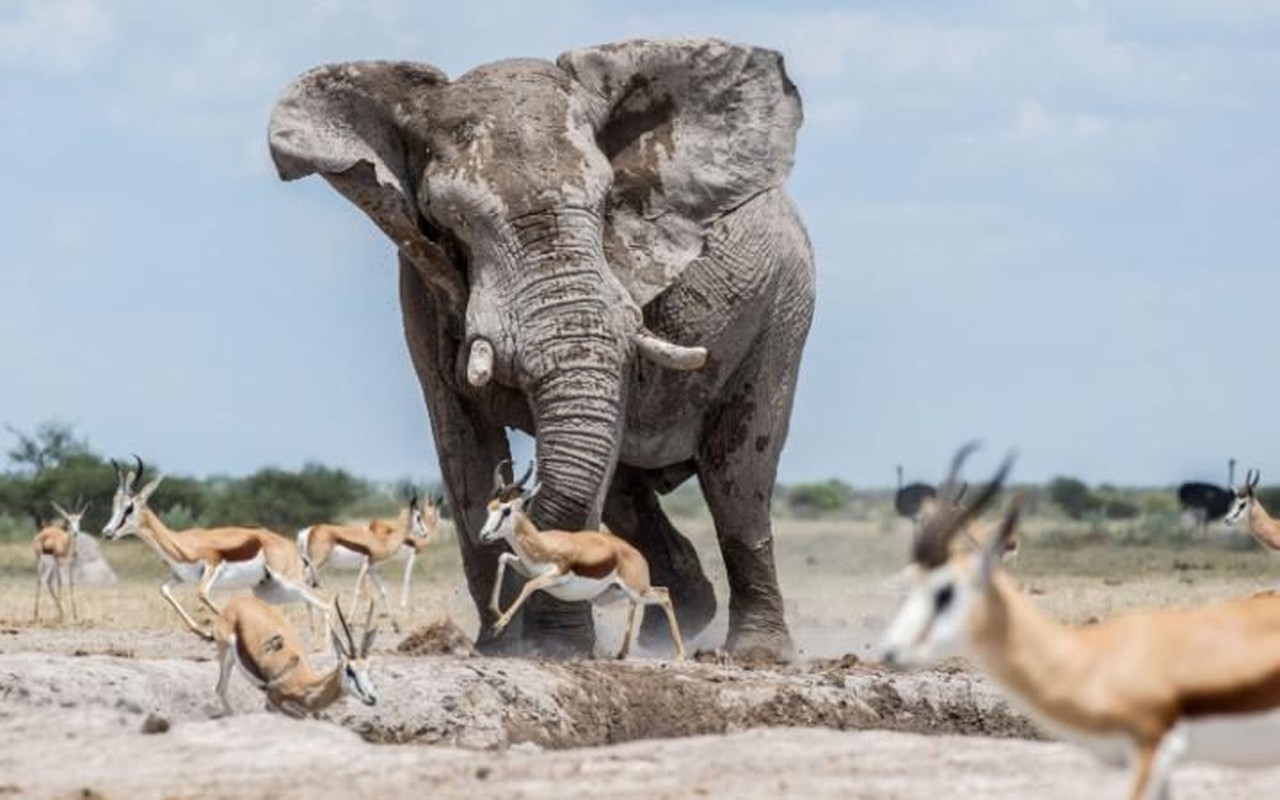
(842,579)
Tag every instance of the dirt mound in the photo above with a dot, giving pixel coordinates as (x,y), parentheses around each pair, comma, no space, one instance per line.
(439,638)
(491,703)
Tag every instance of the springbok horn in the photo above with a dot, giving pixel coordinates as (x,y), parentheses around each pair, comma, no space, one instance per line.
(342,618)
(137,476)
(119,474)
(932,547)
(366,644)
(964,487)
(480,362)
(60,510)
(366,639)
(525,477)
(1257,476)
(498,483)
(667,354)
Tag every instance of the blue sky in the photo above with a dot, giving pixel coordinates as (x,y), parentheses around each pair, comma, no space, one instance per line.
(1049,225)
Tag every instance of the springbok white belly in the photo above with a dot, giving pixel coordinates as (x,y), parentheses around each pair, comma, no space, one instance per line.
(1238,740)
(344,558)
(243,574)
(187,571)
(575,588)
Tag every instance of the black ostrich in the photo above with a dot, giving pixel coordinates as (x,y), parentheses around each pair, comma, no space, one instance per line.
(910,498)
(1209,503)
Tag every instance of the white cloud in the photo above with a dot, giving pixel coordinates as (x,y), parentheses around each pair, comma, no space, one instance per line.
(1037,124)
(57,35)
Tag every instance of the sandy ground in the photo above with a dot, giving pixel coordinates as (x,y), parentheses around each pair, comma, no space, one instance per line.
(75,726)
(75,699)
(98,753)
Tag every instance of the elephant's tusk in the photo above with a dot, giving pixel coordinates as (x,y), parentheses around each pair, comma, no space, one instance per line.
(480,363)
(666,354)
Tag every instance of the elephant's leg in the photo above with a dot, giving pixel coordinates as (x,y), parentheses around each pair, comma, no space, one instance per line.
(469,447)
(737,466)
(633,512)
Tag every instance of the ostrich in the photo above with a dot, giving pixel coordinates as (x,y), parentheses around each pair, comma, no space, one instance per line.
(1208,502)
(910,499)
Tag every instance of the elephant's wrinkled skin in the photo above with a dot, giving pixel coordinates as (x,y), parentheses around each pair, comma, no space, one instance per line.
(548,217)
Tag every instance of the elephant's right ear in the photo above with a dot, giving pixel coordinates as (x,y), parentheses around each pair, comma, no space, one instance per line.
(694,129)
(344,121)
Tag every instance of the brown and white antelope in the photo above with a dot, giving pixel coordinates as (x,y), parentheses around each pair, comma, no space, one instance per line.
(228,558)
(55,551)
(368,547)
(1246,505)
(585,565)
(258,638)
(1151,688)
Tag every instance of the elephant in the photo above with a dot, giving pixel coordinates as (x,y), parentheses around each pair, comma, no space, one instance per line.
(598,251)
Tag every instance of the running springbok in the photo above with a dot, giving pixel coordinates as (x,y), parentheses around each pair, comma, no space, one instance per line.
(586,565)
(229,558)
(1151,687)
(367,548)
(261,641)
(1246,505)
(55,551)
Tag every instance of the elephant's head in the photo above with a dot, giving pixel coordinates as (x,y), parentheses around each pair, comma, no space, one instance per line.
(544,205)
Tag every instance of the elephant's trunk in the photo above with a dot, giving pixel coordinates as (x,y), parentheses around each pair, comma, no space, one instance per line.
(575,328)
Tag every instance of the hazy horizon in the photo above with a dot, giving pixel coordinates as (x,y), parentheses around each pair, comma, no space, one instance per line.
(1042,225)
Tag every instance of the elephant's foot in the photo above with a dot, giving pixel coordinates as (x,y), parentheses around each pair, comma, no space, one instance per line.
(758,640)
(757,625)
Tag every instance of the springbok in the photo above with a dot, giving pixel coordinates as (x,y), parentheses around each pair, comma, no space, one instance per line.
(55,551)
(228,558)
(1151,687)
(1246,505)
(586,565)
(367,548)
(261,641)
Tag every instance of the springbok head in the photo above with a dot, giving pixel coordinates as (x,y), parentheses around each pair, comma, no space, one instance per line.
(352,660)
(129,501)
(951,583)
(73,517)
(1244,496)
(507,499)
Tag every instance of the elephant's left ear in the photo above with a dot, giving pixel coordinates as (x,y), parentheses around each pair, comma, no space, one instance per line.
(694,129)
(346,122)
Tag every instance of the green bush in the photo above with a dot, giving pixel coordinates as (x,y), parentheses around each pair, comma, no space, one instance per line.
(815,499)
(1072,496)
(285,501)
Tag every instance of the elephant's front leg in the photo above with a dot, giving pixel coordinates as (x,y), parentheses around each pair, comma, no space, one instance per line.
(469,447)
(738,463)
